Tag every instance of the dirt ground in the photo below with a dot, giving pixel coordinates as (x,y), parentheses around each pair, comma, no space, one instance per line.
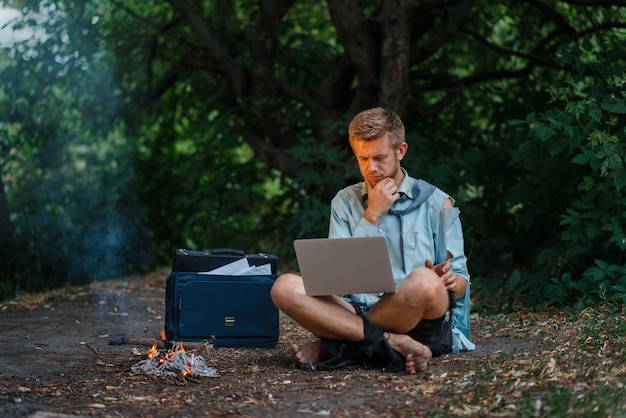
(57,361)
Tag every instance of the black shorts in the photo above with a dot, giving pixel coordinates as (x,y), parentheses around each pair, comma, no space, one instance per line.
(436,334)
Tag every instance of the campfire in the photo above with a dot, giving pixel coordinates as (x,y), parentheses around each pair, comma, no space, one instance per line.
(173,362)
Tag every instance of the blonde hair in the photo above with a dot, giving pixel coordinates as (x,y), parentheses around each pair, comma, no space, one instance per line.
(374,123)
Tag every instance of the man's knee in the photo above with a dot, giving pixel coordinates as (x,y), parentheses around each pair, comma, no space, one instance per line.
(286,289)
(423,284)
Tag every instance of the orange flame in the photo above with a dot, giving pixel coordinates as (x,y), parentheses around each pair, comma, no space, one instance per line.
(152,351)
(163,336)
(166,356)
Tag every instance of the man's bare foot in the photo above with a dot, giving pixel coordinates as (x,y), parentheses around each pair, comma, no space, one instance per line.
(416,355)
(308,354)
(417,360)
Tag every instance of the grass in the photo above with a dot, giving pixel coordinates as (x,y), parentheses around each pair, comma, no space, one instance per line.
(576,369)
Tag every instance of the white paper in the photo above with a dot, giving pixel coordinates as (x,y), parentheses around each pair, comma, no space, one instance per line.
(240,267)
(256,270)
(230,268)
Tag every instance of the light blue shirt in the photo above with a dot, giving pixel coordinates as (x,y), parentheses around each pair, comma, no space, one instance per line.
(428,232)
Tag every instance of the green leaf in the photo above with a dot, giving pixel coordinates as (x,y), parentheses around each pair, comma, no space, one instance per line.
(619,107)
(602,264)
(583,158)
(619,179)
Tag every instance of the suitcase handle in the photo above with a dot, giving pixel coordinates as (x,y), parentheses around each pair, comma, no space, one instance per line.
(228,251)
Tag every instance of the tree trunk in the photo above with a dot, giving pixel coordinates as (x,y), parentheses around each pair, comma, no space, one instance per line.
(6,226)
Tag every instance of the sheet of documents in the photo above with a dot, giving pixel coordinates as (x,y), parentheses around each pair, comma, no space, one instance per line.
(240,267)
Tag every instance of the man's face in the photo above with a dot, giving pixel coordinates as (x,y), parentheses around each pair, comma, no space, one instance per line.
(378,160)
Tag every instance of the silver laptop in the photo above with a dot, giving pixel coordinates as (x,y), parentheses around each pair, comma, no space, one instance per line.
(338,266)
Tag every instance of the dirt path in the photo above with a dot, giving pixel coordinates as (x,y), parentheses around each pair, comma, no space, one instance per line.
(57,360)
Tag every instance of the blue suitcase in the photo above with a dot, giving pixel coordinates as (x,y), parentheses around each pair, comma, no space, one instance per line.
(229,311)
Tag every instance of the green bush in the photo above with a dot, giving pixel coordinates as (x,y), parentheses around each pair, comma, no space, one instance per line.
(573,185)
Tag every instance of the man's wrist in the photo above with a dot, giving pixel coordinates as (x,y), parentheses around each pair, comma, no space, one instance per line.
(371,218)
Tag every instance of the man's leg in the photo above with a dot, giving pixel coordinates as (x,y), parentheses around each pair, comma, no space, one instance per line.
(421,295)
(333,318)
(327,317)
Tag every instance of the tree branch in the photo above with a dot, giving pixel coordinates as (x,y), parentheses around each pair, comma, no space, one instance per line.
(263,45)
(591,3)
(358,40)
(273,155)
(211,41)
(265,110)
(539,57)
(454,86)
(553,15)
(422,51)
(333,91)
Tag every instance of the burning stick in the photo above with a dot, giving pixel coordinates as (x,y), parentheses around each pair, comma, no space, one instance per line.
(148,342)
(162,344)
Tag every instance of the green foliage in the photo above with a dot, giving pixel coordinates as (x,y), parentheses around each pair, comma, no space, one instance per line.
(66,165)
(572,180)
(132,122)
(602,282)
(204,187)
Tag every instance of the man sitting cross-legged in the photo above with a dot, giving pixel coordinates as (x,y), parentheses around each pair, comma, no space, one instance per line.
(429,313)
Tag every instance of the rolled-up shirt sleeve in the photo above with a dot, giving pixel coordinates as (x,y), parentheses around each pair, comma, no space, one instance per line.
(346,217)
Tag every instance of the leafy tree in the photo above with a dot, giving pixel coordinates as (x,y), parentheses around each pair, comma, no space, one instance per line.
(234,112)
(65,165)
(286,77)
